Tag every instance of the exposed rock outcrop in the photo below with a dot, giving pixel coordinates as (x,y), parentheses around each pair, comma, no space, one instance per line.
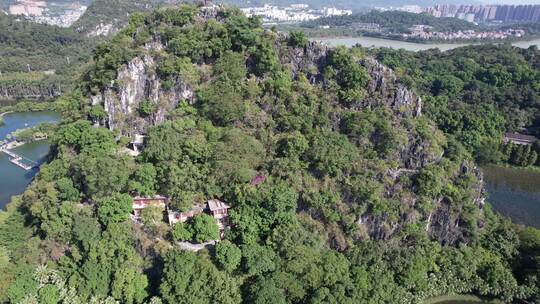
(385,88)
(138,81)
(30,91)
(419,142)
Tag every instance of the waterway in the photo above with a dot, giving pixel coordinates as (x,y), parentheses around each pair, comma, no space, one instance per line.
(410,46)
(13,180)
(514,193)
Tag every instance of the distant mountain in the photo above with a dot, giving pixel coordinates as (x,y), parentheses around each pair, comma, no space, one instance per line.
(104,17)
(394,21)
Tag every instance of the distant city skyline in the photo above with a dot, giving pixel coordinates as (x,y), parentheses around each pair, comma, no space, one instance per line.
(509,2)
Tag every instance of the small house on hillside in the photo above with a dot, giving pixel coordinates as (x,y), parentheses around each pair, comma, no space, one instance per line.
(220,211)
(216,208)
(519,139)
(182,217)
(140,203)
(136,145)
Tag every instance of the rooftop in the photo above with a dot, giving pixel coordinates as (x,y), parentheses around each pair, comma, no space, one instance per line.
(138,139)
(521,137)
(215,204)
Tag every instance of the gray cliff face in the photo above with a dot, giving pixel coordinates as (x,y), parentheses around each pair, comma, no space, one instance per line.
(138,81)
(39,91)
(446,224)
(384,88)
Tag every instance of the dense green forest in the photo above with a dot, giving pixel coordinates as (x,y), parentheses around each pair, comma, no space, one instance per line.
(39,61)
(115,13)
(363,200)
(392,24)
(476,93)
(394,21)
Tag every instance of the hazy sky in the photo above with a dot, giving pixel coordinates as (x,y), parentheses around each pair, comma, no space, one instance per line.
(511,1)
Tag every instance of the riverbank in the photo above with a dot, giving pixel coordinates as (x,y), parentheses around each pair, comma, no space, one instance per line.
(27,106)
(425,41)
(535,169)
(2,116)
(5,113)
(397,44)
(514,193)
(14,180)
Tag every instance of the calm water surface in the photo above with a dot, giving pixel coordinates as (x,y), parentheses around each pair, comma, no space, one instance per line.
(514,193)
(13,180)
(410,46)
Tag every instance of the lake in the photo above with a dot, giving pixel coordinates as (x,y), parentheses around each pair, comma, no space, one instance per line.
(410,46)
(514,193)
(13,180)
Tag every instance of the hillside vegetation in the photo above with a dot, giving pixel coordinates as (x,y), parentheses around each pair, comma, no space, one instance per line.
(362,198)
(106,17)
(476,93)
(395,21)
(28,50)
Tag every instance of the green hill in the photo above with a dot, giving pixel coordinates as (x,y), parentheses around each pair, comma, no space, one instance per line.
(105,17)
(395,21)
(341,189)
(28,49)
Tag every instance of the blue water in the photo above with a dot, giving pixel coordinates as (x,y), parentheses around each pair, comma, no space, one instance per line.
(20,120)
(13,180)
(514,193)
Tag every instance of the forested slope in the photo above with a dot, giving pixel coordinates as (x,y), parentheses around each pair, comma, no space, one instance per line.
(395,21)
(362,199)
(475,93)
(106,17)
(38,61)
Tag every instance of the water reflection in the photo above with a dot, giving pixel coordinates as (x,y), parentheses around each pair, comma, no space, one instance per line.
(13,180)
(514,193)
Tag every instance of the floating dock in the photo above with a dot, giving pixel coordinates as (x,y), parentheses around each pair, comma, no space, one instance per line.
(17,160)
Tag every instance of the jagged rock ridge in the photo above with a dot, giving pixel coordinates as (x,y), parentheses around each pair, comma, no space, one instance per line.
(139,81)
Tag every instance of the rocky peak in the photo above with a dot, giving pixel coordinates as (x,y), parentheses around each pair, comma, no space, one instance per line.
(139,80)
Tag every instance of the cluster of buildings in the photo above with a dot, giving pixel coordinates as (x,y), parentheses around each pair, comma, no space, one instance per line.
(476,13)
(292,14)
(28,8)
(487,13)
(416,9)
(422,32)
(52,13)
(215,208)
